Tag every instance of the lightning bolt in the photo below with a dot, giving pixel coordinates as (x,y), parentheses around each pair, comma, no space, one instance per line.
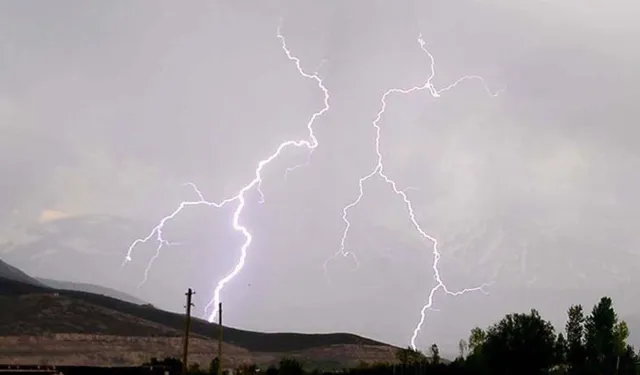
(310,144)
(378,171)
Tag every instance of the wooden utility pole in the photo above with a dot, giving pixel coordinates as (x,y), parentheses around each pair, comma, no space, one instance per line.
(187,328)
(220,338)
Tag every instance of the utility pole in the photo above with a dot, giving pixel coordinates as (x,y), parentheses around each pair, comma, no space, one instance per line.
(187,328)
(220,338)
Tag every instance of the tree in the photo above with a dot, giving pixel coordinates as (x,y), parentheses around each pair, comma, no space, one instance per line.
(290,366)
(575,339)
(600,337)
(152,362)
(561,350)
(246,369)
(174,364)
(520,344)
(194,368)
(476,339)
(435,354)
(462,348)
(272,370)
(409,356)
(628,362)
(620,336)
(475,360)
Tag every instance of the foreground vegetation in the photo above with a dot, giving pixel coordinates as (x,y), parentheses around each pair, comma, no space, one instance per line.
(519,344)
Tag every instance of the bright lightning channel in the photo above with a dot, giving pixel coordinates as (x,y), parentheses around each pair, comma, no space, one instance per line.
(378,171)
(310,144)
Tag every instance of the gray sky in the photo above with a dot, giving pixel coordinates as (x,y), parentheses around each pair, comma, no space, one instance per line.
(107,108)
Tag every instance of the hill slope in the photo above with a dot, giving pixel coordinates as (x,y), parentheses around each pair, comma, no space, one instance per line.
(44,325)
(37,314)
(21,298)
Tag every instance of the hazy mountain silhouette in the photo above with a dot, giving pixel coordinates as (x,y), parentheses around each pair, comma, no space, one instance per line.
(10,272)
(91,288)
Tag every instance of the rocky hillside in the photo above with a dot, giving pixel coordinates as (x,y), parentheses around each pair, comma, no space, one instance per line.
(100,350)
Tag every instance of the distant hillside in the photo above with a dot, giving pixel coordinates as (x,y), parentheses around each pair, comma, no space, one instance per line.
(37,314)
(12,273)
(18,306)
(49,324)
(91,288)
(53,249)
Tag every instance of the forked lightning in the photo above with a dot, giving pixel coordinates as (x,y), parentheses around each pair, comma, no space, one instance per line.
(310,144)
(239,199)
(378,170)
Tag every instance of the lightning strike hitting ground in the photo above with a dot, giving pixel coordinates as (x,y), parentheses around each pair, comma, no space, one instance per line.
(310,144)
(378,171)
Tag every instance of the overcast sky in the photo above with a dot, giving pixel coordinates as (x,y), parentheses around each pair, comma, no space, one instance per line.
(107,108)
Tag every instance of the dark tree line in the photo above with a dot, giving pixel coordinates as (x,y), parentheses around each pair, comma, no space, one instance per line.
(527,344)
(519,344)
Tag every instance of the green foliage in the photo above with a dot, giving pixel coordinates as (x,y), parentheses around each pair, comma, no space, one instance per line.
(476,339)
(621,334)
(410,356)
(600,340)
(527,344)
(523,343)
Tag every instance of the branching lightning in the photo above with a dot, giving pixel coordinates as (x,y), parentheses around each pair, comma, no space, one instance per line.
(378,171)
(310,144)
